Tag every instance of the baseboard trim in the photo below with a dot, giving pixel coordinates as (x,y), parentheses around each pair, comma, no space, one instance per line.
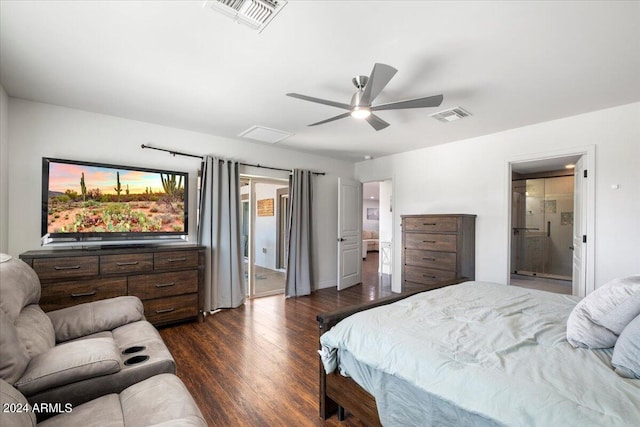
(326,284)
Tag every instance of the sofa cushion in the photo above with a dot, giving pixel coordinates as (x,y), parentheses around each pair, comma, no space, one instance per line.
(104,315)
(11,398)
(173,404)
(13,357)
(35,330)
(140,405)
(103,411)
(19,287)
(70,363)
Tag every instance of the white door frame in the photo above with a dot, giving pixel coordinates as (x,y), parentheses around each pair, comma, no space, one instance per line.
(589,155)
(253,180)
(396,283)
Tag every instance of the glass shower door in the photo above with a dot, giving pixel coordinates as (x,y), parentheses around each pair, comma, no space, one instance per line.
(543,226)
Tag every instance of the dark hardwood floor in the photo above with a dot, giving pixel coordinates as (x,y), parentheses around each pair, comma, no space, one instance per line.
(257,365)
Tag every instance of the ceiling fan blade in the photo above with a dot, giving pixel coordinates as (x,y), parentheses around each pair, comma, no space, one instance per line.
(376,122)
(320,101)
(380,76)
(338,117)
(429,101)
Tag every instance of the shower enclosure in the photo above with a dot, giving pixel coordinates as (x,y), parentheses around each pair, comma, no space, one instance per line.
(542,226)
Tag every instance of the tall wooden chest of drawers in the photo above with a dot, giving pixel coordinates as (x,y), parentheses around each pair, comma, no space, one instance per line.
(168,279)
(437,248)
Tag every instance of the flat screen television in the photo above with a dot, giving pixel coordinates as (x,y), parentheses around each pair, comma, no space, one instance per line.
(87,201)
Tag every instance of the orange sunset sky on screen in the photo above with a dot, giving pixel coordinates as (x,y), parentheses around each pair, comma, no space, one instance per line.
(64,177)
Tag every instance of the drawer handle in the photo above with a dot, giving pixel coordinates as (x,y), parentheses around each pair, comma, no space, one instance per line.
(124,264)
(428,259)
(429,223)
(429,277)
(165,285)
(428,241)
(83,294)
(70,267)
(166,310)
(176,259)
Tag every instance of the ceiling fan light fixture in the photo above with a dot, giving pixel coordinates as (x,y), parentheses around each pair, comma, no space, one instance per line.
(360,112)
(368,89)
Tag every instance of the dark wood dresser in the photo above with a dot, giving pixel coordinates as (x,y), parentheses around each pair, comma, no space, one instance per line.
(168,279)
(437,248)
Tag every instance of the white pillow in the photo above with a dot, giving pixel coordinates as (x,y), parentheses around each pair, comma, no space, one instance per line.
(626,353)
(598,320)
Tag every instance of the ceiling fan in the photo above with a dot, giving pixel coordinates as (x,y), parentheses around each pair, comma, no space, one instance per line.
(368,89)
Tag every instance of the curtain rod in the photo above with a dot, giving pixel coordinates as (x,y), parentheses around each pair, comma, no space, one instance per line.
(257,165)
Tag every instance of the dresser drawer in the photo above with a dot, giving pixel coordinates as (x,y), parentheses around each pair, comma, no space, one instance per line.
(148,286)
(66,267)
(412,286)
(65,294)
(163,310)
(175,260)
(430,259)
(127,263)
(431,224)
(426,276)
(431,242)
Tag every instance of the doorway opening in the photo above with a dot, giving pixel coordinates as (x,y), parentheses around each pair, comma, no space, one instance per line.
(542,224)
(265,206)
(377,244)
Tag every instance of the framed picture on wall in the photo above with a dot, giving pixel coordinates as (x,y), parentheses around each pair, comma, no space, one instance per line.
(373,214)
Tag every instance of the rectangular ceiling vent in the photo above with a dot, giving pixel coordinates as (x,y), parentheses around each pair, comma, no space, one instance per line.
(451,114)
(264,134)
(255,14)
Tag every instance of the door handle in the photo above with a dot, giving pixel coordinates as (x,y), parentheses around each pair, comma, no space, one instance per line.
(340,239)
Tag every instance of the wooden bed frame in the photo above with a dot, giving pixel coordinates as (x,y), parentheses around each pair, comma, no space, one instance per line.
(338,393)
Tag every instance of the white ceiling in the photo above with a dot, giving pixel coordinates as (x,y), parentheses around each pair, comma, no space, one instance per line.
(371,191)
(510,64)
(544,165)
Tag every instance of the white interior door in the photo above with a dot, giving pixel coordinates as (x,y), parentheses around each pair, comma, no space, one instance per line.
(579,231)
(349,233)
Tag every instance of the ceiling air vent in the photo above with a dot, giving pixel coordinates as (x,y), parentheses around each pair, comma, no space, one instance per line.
(253,13)
(265,134)
(451,114)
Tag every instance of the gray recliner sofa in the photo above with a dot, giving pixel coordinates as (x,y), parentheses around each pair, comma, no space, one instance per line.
(161,400)
(76,354)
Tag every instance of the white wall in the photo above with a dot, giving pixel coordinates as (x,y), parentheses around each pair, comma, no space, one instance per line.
(40,130)
(4,171)
(470,176)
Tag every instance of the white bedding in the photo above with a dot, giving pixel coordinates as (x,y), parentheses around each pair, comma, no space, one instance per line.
(493,350)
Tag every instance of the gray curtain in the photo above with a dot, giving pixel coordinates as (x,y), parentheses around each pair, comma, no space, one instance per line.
(299,262)
(219,231)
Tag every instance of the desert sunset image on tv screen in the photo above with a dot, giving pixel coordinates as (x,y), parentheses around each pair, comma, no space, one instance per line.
(95,199)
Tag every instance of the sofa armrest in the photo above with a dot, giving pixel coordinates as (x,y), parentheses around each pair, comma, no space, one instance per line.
(70,362)
(92,317)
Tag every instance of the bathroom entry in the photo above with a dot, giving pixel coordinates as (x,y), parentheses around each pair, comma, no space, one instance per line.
(542,224)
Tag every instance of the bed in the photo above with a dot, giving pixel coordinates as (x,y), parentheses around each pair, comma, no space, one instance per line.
(476,353)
